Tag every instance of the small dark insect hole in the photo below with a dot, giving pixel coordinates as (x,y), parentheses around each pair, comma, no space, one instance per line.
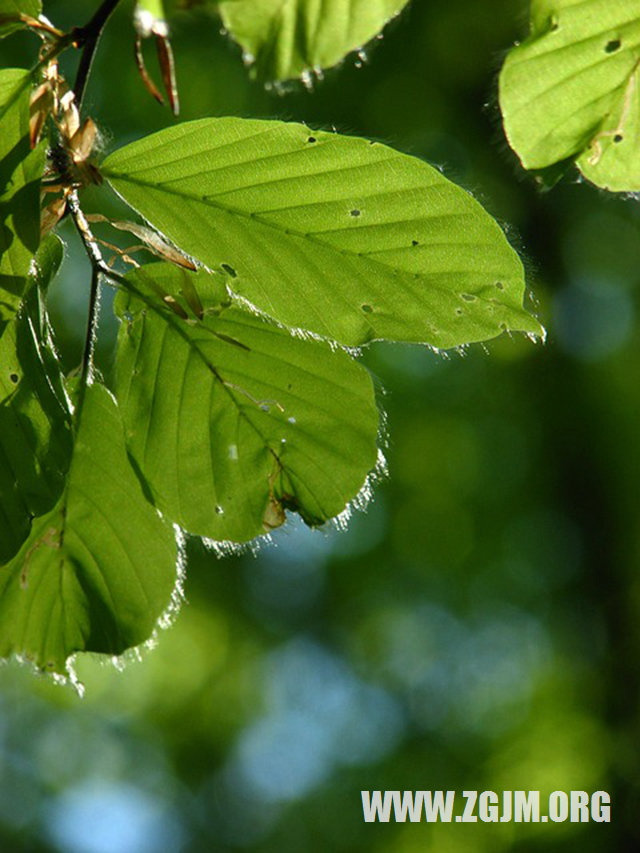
(311,139)
(414,242)
(367,309)
(618,137)
(553,23)
(13,377)
(468,297)
(229,270)
(612,46)
(499,285)
(459,312)
(354,212)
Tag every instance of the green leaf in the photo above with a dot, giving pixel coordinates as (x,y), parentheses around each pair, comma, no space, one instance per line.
(571,90)
(20,174)
(150,18)
(230,418)
(287,38)
(98,570)
(13,8)
(35,430)
(48,261)
(336,235)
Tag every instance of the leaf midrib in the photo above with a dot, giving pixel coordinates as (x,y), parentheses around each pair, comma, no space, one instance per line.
(193,345)
(407,277)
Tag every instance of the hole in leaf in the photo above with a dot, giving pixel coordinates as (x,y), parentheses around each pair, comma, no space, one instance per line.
(414,243)
(499,285)
(229,270)
(13,377)
(459,312)
(468,297)
(618,137)
(311,139)
(290,502)
(354,212)
(219,510)
(612,46)
(367,308)
(554,23)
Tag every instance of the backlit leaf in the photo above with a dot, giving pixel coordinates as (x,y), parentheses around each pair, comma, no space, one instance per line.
(230,418)
(35,431)
(149,18)
(345,238)
(572,90)
(98,569)
(287,38)
(20,174)
(13,8)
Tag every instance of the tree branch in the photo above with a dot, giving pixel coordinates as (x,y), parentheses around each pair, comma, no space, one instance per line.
(87,38)
(98,267)
(92,327)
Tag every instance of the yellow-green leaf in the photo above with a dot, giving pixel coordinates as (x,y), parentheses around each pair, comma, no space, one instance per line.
(99,569)
(289,38)
(332,234)
(572,90)
(20,174)
(231,419)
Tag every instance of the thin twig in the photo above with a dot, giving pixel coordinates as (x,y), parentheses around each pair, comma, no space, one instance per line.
(84,230)
(87,38)
(92,327)
(98,268)
(90,243)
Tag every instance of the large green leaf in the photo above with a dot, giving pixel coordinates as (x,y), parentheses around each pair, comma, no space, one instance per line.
(13,8)
(98,570)
(288,38)
(20,174)
(35,430)
(572,90)
(230,418)
(346,238)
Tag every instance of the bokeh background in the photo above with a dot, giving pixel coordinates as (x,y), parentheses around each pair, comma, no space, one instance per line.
(477,627)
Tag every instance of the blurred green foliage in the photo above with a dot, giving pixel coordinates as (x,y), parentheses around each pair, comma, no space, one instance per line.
(477,627)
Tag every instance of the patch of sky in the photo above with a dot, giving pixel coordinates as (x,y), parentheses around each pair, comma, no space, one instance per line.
(104,817)
(593,318)
(318,715)
(289,574)
(476,675)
